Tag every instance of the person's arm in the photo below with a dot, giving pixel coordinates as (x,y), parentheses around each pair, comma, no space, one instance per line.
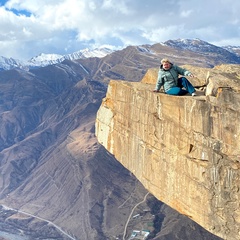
(159,82)
(183,71)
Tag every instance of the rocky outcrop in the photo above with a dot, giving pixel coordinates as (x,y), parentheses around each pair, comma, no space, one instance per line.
(185,150)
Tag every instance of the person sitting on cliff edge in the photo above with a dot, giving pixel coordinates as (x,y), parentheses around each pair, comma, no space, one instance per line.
(172,84)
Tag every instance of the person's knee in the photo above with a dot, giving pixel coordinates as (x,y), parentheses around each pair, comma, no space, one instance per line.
(174,91)
(183,79)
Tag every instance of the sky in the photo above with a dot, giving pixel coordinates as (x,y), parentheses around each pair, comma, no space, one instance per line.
(31,27)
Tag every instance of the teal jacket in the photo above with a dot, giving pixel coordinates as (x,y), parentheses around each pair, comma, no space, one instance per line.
(169,78)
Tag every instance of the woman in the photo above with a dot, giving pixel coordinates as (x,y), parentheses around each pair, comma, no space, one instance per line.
(172,84)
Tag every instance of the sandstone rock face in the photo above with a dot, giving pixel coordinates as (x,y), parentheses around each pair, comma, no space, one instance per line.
(185,150)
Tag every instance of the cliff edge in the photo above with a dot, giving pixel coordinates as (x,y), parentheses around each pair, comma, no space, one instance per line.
(185,150)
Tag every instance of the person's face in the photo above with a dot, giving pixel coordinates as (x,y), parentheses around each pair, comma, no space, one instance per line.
(166,65)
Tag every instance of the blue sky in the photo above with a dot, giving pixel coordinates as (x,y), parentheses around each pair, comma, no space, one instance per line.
(31,27)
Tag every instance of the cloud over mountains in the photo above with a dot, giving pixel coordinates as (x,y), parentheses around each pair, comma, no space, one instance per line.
(31,27)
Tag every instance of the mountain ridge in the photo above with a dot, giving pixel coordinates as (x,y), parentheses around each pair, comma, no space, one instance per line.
(43,59)
(193,45)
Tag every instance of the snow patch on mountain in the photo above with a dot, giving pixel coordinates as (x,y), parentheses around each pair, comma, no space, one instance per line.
(205,48)
(8,63)
(43,59)
(195,45)
(233,49)
(49,59)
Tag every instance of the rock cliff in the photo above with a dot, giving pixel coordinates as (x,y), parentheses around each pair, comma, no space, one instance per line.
(185,150)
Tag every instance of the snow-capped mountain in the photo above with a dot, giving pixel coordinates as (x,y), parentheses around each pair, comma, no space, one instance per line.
(46,59)
(8,63)
(206,49)
(233,49)
(49,59)
(197,45)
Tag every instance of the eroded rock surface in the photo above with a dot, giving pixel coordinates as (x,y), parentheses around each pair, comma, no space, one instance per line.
(185,150)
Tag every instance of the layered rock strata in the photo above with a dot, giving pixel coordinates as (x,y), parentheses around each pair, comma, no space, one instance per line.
(185,150)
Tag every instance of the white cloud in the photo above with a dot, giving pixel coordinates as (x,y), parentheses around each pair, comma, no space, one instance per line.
(30,27)
(185,13)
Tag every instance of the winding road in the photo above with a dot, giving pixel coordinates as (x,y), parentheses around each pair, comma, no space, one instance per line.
(130,215)
(42,219)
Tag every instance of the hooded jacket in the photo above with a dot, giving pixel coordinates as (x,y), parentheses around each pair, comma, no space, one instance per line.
(169,78)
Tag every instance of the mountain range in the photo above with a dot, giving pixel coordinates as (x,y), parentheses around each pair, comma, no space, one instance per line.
(43,59)
(56,181)
(231,53)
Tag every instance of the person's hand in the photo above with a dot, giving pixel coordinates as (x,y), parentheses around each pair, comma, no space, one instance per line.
(191,75)
(155,90)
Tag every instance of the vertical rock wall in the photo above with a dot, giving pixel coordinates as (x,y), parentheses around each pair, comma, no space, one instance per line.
(184,150)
